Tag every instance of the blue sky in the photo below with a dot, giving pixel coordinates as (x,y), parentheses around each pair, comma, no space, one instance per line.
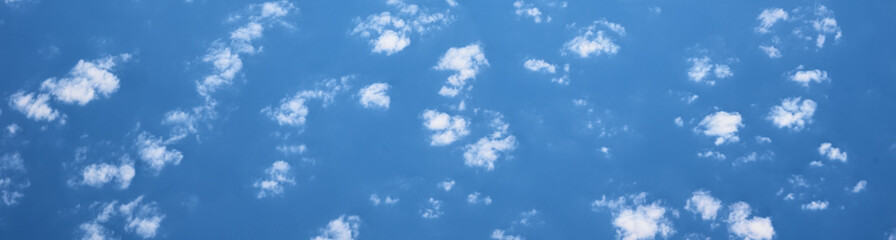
(434,119)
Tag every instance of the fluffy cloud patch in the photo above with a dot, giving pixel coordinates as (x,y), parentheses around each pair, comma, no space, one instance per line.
(793,113)
(445,128)
(375,96)
(446,185)
(34,106)
(376,200)
(87,81)
(742,226)
(342,228)
(155,152)
(722,125)
(538,65)
(769,17)
(815,206)
(524,9)
(12,178)
(465,62)
(142,219)
(477,198)
(486,151)
(433,211)
(860,186)
(637,220)
(293,110)
(804,24)
(804,77)
(596,39)
(97,175)
(703,70)
(499,234)
(831,153)
(278,175)
(701,202)
(390,32)
(771,51)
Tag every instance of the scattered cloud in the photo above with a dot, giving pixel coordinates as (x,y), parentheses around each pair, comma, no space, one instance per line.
(860,186)
(476,198)
(529,10)
(342,228)
(815,206)
(376,200)
(711,154)
(742,226)
(433,211)
(722,125)
(769,17)
(97,175)
(813,24)
(445,128)
(155,152)
(375,95)
(704,70)
(538,65)
(637,220)
(12,178)
(87,81)
(831,153)
(465,62)
(793,113)
(34,106)
(390,32)
(487,149)
(771,51)
(499,234)
(293,110)
(446,185)
(278,175)
(595,39)
(804,77)
(142,219)
(704,204)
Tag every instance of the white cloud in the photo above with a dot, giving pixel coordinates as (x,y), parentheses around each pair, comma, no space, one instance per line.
(390,32)
(769,17)
(762,139)
(678,121)
(742,226)
(722,125)
(831,153)
(12,178)
(97,175)
(446,128)
(376,200)
(156,153)
(342,228)
(771,51)
(434,210)
(446,185)
(292,149)
(860,186)
(808,76)
(465,62)
(703,70)
(487,149)
(538,65)
(142,219)
(278,175)
(704,204)
(594,40)
(499,234)
(375,96)
(792,113)
(476,198)
(293,110)
(13,128)
(34,106)
(638,220)
(815,206)
(87,81)
(528,10)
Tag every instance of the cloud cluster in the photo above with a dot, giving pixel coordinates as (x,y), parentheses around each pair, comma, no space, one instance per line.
(722,125)
(85,82)
(831,153)
(293,110)
(278,175)
(704,70)
(433,211)
(742,226)
(142,219)
(97,175)
(637,220)
(477,198)
(541,66)
(793,113)
(376,200)
(804,77)
(155,152)
(484,152)
(390,32)
(12,178)
(342,228)
(465,62)
(595,39)
(701,202)
(375,95)
(804,24)
(445,128)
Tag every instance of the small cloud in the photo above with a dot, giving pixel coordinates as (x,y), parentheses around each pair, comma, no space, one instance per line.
(815,206)
(742,226)
(701,202)
(465,62)
(342,228)
(722,125)
(793,113)
(476,198)
(860,186)
(278,175)
(375,96)
(831,153)
(445,128)
(446,185)
(433,211)
(595,40)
